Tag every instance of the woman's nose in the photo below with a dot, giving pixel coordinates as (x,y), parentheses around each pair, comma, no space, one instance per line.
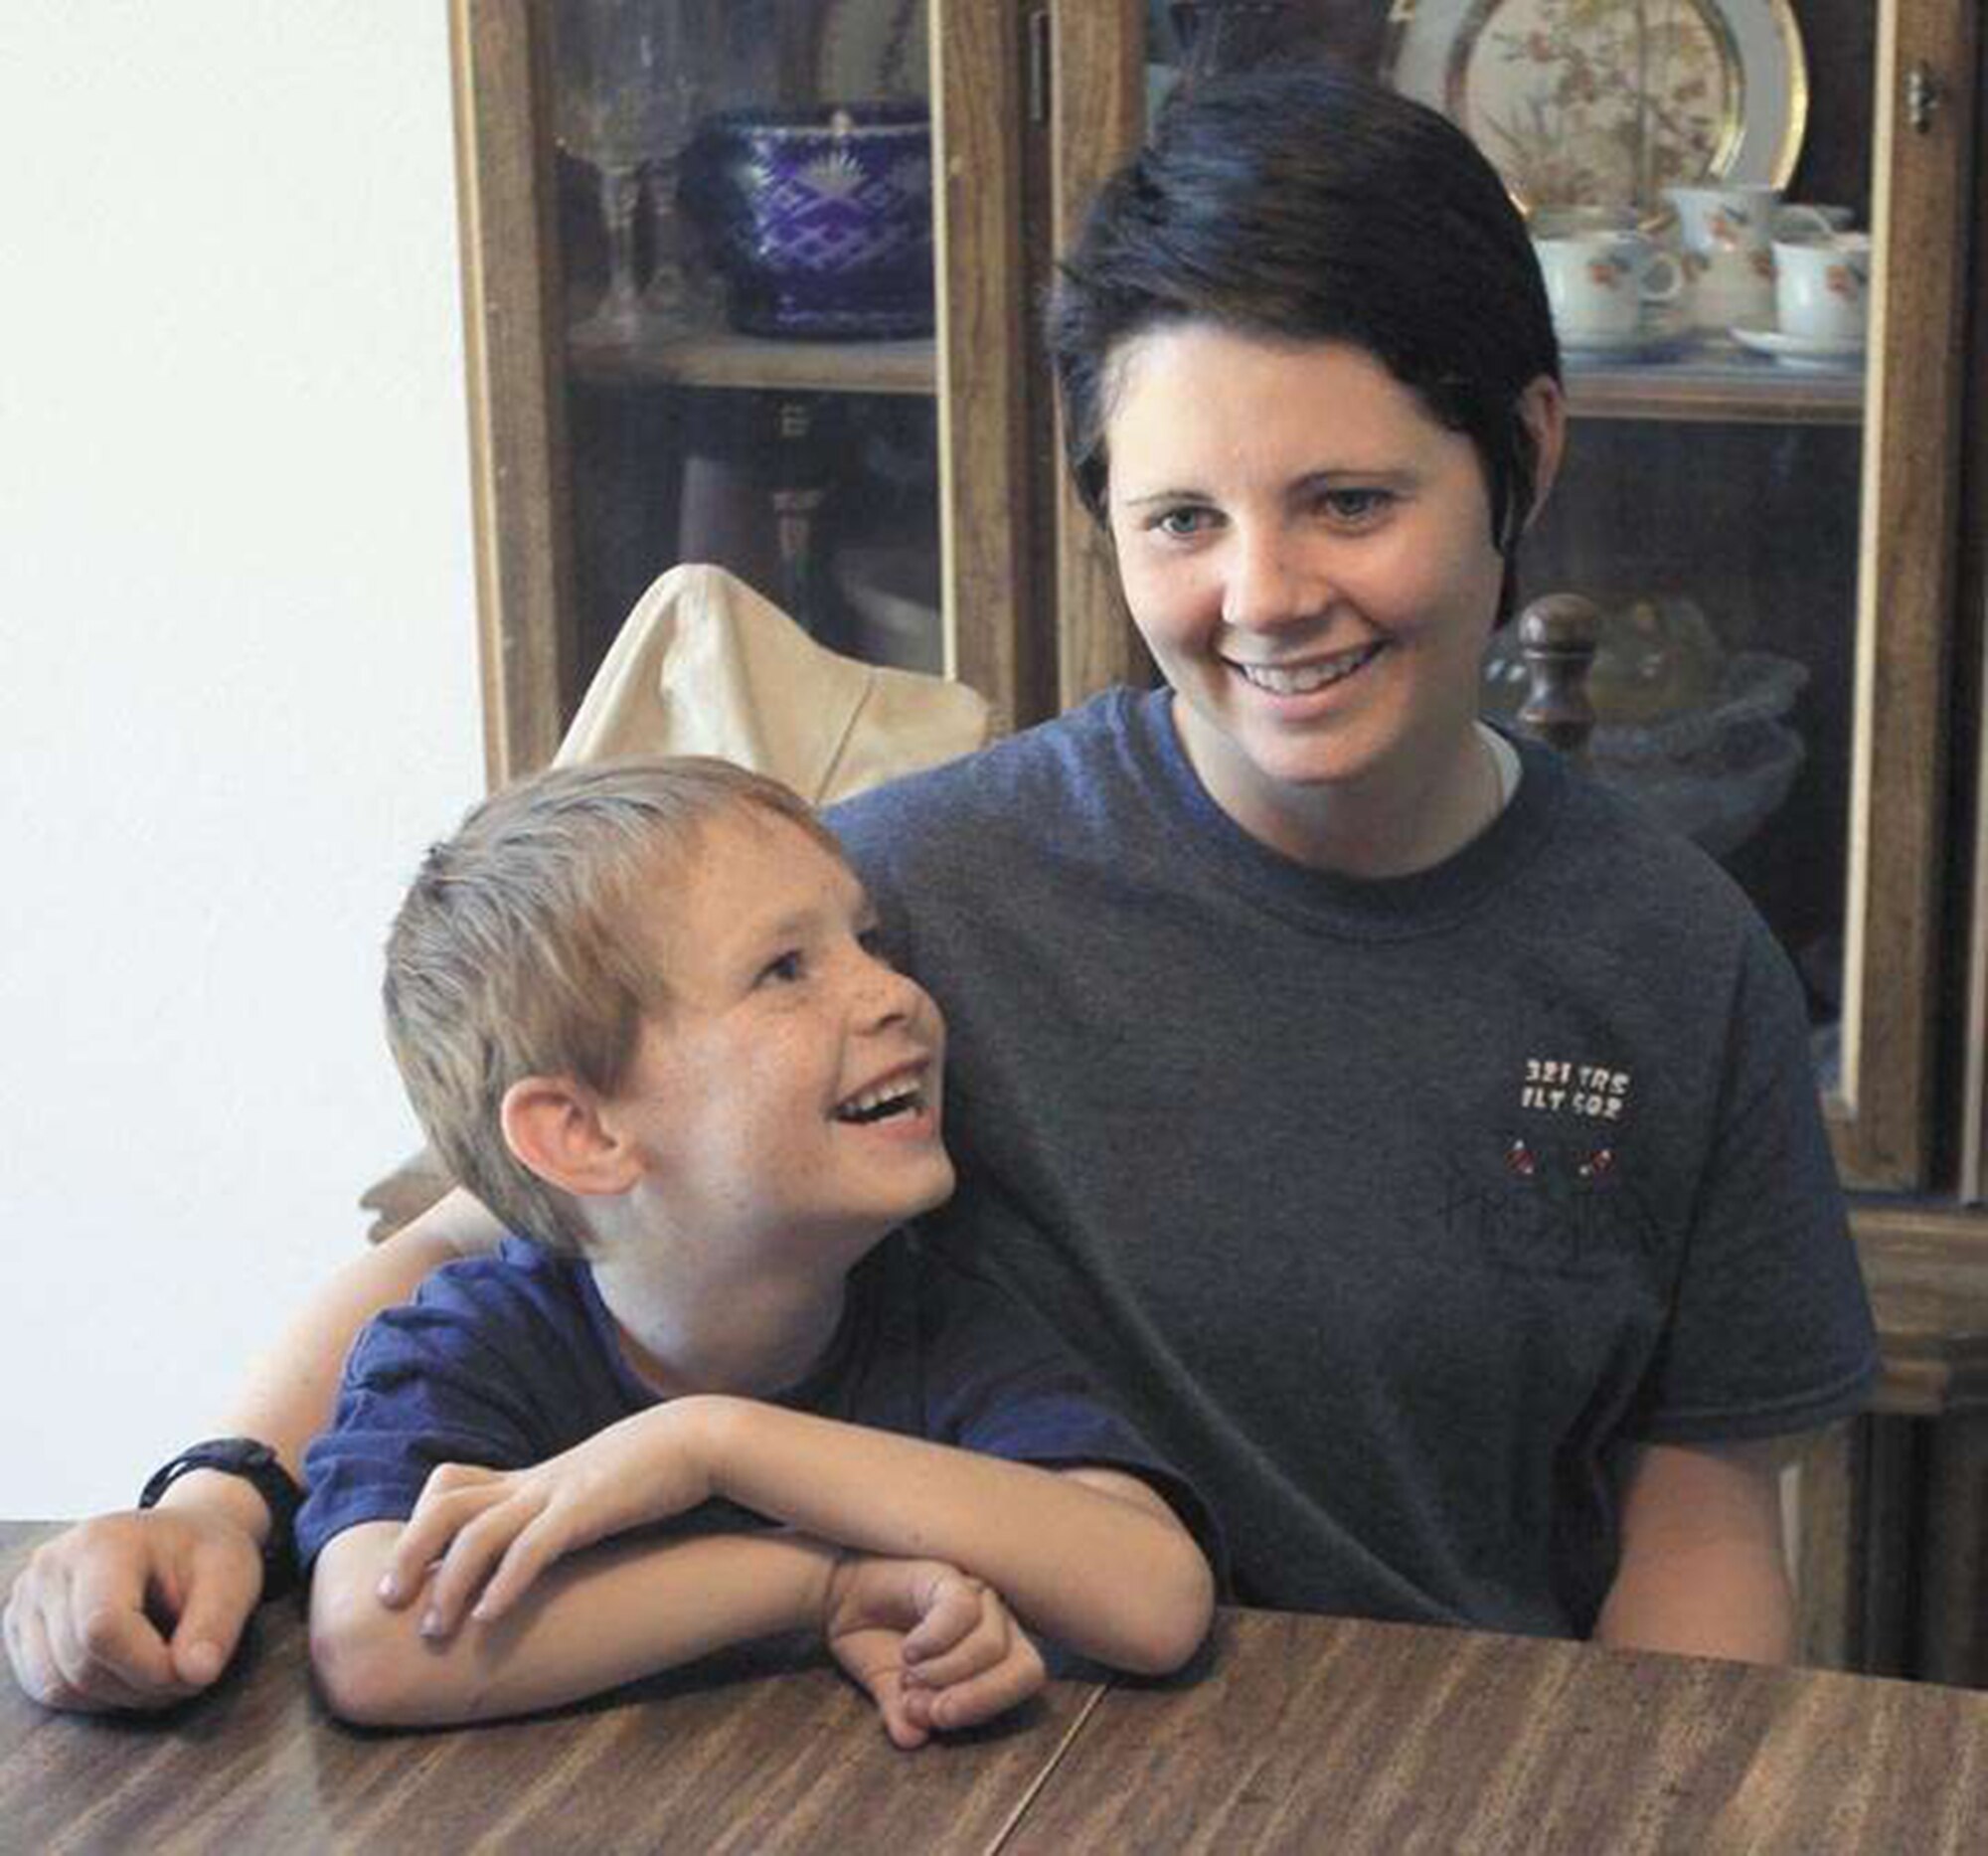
(1271,582)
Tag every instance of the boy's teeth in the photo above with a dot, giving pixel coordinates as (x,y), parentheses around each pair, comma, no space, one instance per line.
(1302,679)
(873,1105)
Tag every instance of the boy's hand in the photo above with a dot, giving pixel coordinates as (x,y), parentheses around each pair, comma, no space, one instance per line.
(931,1647)
(495,1531)
(134,1610)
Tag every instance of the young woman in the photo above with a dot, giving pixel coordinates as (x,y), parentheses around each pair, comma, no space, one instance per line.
(1417,1139)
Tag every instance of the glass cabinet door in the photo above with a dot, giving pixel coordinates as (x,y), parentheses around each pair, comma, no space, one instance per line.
(1760,489)
(744,225)
(705,322)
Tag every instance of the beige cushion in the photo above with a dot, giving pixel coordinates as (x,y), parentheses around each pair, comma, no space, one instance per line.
(705,665)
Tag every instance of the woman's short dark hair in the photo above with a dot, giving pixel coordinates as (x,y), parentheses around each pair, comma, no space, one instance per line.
(1309,204)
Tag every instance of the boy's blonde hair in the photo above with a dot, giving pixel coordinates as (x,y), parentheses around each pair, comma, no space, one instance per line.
(526,948)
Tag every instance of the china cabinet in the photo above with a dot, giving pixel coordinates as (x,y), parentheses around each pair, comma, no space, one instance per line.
(1786,546)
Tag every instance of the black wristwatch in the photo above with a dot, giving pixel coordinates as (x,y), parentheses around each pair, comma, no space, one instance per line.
(256,1464)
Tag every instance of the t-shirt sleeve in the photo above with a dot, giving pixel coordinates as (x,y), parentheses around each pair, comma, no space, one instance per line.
(1771,1328)
(997,1381)
(444,1379)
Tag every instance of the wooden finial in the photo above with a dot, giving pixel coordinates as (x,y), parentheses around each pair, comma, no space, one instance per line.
(1557,638)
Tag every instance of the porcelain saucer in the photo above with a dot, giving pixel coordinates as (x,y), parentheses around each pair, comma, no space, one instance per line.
(1658,339)
(1799,351)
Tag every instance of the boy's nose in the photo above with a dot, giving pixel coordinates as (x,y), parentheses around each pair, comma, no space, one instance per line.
(884,996)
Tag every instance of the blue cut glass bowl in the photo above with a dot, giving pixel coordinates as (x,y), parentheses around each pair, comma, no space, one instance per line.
(821,221)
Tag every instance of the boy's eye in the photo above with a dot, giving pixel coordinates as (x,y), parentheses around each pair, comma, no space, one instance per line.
(871,940)
(783,969)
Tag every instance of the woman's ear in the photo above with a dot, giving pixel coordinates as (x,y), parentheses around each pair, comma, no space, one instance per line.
(554,1127)
(1543,407)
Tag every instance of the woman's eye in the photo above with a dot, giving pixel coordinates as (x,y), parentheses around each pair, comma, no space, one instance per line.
(783,969)
(1354,505)
(1181,523)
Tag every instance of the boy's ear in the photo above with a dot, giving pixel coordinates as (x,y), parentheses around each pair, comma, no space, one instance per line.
(554,1127)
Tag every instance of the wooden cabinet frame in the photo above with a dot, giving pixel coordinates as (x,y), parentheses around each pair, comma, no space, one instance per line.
(989,563)
(1923,203)
(1971,1059)
(510,288)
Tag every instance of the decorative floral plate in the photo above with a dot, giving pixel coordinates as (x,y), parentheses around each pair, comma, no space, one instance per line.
(1580,100)
(1658,338)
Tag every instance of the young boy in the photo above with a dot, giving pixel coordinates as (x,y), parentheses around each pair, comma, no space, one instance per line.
(639,1011)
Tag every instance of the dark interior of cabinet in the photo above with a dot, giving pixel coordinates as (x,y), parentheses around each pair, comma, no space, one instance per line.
(1639,516)
(663,473)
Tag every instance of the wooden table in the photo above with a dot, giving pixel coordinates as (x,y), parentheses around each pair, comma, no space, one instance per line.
(1302,1734)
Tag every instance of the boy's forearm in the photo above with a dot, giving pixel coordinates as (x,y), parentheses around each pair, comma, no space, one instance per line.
(620,1612)
(1112,1575)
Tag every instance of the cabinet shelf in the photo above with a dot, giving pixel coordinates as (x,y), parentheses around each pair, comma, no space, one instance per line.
(1725,390)
(1736,389)
(722,358)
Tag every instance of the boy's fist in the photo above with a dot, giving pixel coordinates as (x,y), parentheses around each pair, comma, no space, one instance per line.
(933,1647)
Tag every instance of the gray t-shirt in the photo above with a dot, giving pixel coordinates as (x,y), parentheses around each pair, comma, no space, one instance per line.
(1391,1211)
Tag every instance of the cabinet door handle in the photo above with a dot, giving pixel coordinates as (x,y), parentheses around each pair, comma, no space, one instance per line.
(1921,97)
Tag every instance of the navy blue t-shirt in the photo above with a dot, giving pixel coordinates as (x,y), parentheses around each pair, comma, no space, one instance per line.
(509,1359)
(1398,1213)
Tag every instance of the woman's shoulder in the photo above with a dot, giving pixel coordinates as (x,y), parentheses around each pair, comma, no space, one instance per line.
(1614,863)
(1612,833)
(1012,787)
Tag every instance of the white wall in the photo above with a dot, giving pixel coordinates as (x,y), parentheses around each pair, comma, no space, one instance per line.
(236,679)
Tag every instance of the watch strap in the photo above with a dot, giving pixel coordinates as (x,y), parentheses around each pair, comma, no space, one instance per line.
(260,1466)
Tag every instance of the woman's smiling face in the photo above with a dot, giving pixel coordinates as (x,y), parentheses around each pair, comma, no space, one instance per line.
(1308,556)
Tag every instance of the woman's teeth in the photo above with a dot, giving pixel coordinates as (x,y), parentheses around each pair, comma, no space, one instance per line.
(1302,679)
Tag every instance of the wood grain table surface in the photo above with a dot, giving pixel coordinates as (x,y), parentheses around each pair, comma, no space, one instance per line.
(1293,1732)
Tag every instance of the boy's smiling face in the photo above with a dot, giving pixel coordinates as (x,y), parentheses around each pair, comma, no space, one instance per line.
(789,1092)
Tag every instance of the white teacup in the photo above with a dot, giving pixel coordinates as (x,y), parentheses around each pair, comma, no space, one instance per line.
(1745,216)
(1727,234)
(1731,286)
(1822,287)
(1600,284)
